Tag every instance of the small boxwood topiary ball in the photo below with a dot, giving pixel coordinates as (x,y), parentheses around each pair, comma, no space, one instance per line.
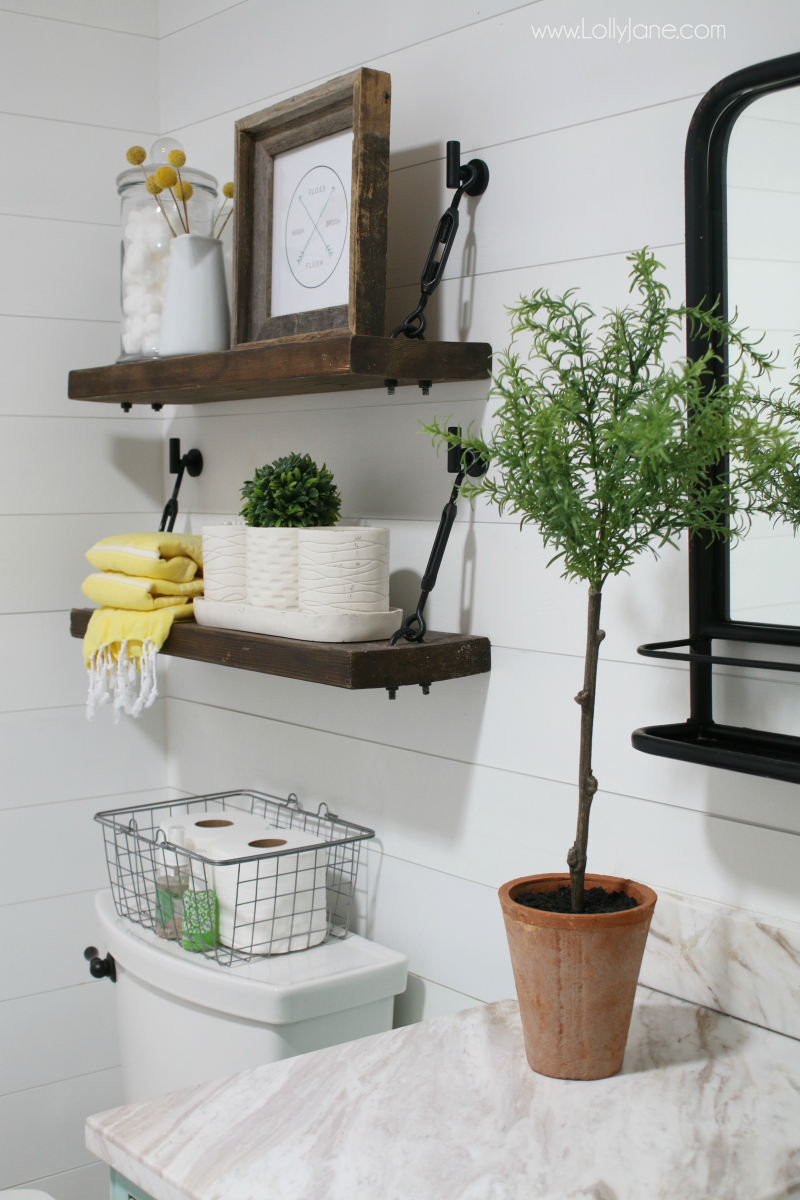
(292,492)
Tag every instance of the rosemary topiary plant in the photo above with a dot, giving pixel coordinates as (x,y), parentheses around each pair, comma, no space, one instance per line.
(611,450)
(291,492)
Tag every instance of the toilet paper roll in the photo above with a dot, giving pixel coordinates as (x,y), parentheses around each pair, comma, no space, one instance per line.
(272,905)
(272,568)
(225,563)
(343,570)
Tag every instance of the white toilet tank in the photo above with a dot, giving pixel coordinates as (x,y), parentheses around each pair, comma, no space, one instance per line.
(183,1019)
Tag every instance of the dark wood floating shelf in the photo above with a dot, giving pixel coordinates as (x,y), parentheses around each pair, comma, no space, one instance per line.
(292,366)
(752,751)
(354,665)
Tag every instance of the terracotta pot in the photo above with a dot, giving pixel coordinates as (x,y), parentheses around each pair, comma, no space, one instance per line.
(576,976)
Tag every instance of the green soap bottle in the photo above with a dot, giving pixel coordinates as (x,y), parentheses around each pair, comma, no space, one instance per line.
(200,920)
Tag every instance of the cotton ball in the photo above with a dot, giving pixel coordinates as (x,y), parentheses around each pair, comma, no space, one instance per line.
(131,342)
(157,235)
(135,327)
(150,339)
(133,299)
(136,262)
(152,303)
(153,322)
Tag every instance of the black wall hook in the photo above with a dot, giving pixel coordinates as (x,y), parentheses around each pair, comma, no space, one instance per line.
(192,463)
(461,463)
(471,179)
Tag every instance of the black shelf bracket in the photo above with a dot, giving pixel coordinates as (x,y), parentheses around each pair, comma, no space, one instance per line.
(192,464)
(471,179)
(461,463)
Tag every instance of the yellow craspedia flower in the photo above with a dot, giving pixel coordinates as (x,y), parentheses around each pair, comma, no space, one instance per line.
(227,190)
(176,158)
(136,155)
(183,191)
(165,177)
(152,186)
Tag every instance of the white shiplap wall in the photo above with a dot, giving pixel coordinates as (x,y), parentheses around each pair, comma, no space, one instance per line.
(473,784)
(78,84)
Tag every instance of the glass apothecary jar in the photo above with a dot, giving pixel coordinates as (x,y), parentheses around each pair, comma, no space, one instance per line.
(145,244)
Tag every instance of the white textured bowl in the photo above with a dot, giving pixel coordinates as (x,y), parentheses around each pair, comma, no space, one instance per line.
(225,563)
(343,570)
(302,626)
(272,574)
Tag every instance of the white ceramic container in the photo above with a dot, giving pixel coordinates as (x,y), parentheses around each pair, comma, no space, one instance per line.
(343,569)
(302,626)
(225,563)
(272,568)
(195,318)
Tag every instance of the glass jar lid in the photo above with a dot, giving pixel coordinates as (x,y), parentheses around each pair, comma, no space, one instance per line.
(159,151)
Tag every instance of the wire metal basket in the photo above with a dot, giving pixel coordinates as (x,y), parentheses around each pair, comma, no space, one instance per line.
(234,875)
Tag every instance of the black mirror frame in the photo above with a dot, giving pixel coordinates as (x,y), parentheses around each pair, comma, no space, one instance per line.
(700,739)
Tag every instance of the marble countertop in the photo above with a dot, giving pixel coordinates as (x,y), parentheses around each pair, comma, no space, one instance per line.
(706,1106)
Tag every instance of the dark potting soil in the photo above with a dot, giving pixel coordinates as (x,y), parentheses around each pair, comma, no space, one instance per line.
(595,900)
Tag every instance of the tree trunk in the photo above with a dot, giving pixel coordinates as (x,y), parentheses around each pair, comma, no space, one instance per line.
(587,784)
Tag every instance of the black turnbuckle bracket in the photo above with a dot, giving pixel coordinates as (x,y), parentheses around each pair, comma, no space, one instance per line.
(192,462)
(472,180)
(461,463)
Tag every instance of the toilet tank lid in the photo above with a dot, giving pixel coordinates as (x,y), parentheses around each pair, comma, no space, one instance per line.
(280,990)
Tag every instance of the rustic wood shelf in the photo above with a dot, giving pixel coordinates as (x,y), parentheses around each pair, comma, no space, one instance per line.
(285,367)
(353,665)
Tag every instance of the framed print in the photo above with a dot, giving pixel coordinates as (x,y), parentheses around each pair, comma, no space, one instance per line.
(312,188)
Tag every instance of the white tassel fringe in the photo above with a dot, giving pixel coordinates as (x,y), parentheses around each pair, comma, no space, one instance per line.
(115,683)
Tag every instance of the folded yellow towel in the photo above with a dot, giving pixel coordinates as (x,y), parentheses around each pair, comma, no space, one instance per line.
(131,591)
(154,555)
(118,645)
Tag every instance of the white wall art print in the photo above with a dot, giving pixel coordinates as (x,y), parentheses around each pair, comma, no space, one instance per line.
(311,225)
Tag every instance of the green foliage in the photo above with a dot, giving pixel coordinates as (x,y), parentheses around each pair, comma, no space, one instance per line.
(292,492)
(610,450)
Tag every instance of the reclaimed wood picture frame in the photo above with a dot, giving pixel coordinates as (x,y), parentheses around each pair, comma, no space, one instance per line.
(295,251)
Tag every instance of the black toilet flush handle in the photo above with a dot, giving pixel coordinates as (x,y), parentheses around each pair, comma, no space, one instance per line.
(100,968)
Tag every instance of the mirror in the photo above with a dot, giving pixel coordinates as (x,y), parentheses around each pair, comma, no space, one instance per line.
(763,269)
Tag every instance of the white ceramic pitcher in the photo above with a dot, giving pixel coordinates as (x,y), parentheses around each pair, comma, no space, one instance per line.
(196,317)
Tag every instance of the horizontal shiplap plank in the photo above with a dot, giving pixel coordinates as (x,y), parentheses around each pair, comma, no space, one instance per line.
(175,15)
(42,944)
(450,929)
(77,73)
(84,159)
(101,464)
(59,268)
(423,1000)
(337,45)
(82,1183)
(139,17)
(80,758)
(54,850)
(35,382)
(43,1127)
(489,824)
(44,662)
(57,1035)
